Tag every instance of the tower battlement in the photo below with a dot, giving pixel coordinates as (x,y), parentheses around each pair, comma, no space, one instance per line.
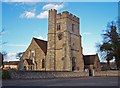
(66,14)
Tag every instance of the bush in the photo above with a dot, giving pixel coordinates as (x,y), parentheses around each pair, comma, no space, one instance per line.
(5,75)
(0,74)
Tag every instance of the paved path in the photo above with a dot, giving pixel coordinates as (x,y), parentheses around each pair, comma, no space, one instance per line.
(83,81)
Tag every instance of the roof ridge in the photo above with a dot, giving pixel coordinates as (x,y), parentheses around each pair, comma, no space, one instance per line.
(91,55)
(42,44)
(40,39)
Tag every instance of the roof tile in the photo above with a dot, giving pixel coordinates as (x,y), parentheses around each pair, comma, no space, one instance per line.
(42,44)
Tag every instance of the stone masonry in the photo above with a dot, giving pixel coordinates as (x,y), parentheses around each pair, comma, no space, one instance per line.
(64,51)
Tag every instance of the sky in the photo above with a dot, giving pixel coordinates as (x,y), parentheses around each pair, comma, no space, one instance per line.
(22,21)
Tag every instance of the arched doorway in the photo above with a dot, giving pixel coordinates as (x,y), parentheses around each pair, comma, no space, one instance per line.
(43,63)
(73,63)
(90,72)
(25,68)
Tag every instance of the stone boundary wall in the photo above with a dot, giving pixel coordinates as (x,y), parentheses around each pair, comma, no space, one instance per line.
(43,74)
(107,73)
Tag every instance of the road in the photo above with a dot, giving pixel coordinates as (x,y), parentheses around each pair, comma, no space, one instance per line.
(83,81)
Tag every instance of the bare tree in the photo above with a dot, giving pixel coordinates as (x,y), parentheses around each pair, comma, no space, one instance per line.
(1,34)
(3,53)
(19,55)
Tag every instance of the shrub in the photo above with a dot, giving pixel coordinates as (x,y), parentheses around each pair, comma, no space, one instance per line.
(5,75)
(0,74)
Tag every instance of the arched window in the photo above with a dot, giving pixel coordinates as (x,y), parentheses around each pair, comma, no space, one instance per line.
(43,63)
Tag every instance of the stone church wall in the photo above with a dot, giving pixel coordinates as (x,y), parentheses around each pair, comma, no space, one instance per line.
(107,73)
(39,55)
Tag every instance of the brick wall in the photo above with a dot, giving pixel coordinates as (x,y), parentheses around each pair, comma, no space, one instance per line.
(43,74)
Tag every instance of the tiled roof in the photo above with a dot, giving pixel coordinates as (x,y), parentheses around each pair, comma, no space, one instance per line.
(11,63)
(42,44)
(89,59)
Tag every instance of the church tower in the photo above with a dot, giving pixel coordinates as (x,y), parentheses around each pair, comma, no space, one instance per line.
(64,50)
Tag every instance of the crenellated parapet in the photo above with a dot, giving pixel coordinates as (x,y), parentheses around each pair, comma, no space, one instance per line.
(66,14)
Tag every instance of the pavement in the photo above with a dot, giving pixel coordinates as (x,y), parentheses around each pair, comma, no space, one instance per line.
(83,81)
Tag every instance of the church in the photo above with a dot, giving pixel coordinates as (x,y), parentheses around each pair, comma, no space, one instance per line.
(62,51)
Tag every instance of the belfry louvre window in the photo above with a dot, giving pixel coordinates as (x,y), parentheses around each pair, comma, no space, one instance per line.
(73,27)
(58,26)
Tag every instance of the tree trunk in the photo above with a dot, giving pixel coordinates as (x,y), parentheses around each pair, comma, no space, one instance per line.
(108,64)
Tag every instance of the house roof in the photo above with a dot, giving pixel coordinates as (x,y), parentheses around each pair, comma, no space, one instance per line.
(1,56)
(89,59)
(42,44)
(30,62)
(103,63)
(112,64)
(1,59)
(11,63)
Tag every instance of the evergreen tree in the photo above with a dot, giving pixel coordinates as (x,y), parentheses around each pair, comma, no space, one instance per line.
(111,44)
